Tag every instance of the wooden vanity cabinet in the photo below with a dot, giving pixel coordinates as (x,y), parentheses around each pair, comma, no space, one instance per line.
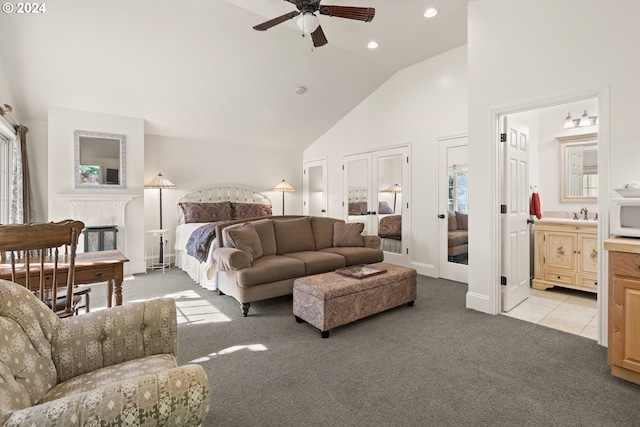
(566,255)
(623,353)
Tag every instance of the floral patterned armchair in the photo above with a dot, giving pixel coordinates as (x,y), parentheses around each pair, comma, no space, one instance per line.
(105,368)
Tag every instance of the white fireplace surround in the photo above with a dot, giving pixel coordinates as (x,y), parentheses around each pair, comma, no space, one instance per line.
(99,210)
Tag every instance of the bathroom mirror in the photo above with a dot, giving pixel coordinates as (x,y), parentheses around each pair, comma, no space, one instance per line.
(100,160)
(579,168)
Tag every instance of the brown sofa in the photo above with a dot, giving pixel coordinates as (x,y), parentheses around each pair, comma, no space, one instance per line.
(458,236)
(260,259)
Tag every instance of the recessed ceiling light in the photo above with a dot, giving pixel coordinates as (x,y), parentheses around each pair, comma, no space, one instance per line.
(431,12)
(372,45)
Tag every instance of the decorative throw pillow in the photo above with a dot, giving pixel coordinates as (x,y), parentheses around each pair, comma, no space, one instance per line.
(206,212)
(384,208)
(348,234)
(453,222)
(249,210)
(463,221)
(357,208)
(246,239)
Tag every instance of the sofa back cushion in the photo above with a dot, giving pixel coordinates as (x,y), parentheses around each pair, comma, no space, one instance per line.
(349,234)
(463,221)
(323,231)
(26,363)
(247,240)
(249,210)
(264,228)
(206,212)
(294,235)
(452,221)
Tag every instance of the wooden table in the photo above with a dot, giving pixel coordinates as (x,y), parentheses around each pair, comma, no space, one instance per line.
(91,267)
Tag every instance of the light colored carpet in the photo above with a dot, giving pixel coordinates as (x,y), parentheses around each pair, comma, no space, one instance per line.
(434,364)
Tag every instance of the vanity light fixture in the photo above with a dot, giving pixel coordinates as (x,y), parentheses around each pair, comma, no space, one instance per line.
(585,120)
(568,122)
(431,12)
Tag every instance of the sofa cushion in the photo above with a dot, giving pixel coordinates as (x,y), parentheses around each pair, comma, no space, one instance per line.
(294,235)
(318,262)
(206,212)
(323,231)
(452,221)
(246,239)
(264,228)
(270,268)
(463,221)
(355,256)
(348,234)
(457,238)
(249,210)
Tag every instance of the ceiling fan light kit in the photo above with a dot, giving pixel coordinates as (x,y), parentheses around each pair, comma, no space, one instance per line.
(309,23)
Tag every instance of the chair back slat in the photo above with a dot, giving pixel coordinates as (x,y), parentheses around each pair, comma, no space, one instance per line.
(34,249)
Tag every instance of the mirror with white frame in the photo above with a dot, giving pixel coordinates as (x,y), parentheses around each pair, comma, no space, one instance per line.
(579,168)
(100,160)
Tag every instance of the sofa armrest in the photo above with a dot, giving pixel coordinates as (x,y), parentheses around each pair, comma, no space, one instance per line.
(103,338)
(145,398)
(229,259)
(371,241)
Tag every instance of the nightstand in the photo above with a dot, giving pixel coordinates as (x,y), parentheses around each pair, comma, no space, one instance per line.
(157,243)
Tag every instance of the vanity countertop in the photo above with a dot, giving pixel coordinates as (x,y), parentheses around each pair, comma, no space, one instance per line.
(623,244)
(567,221)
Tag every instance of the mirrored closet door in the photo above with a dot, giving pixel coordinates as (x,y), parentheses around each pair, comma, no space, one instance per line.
(377,193)
(314,184)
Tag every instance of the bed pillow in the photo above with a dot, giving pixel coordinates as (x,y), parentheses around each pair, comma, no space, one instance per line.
(384,208)
(357,208)
(206,212)
(348,234)
(249,210)
(463,221)
(247,240)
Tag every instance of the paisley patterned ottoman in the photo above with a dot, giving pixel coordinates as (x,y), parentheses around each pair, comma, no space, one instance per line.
(329,300)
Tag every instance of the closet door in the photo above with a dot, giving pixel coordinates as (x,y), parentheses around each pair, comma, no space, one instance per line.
(377,193)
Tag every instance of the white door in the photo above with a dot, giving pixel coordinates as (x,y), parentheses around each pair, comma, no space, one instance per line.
(314,188)
(453,208)
(515,214)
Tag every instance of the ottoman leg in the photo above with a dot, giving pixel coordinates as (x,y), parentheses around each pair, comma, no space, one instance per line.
(299,320)
(245,308)
(324,334)
(410,303)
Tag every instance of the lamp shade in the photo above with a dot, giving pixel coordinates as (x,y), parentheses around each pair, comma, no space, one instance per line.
(568,122)
(159,181)
(283,186)
(395,188)
(584,120)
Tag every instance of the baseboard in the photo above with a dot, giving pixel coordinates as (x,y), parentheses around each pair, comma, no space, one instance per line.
(479,302)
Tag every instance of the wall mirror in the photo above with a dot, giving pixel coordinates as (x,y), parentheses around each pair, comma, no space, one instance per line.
(579,168)
(100,160)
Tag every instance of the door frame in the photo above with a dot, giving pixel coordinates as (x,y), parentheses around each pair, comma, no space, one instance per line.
(495,248)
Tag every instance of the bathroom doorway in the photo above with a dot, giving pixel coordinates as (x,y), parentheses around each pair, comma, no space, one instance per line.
(551,279)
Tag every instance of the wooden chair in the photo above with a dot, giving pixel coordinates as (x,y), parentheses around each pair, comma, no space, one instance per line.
(41,257)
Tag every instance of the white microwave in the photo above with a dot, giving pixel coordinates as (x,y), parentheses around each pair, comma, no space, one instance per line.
(625,218)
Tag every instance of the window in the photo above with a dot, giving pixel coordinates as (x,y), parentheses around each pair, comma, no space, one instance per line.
(458,191)
(7,137)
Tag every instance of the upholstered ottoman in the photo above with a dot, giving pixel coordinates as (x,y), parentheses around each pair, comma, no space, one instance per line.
(329,300)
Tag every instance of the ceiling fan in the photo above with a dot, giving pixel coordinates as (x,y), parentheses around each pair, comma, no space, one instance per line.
(309,22)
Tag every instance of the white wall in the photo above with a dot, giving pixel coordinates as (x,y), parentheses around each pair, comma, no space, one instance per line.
(527,51)
(416,106)
(61,179)
(193,165)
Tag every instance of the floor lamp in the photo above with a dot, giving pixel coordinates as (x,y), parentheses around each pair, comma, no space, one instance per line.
(395,189)
(160,182)
(283,186)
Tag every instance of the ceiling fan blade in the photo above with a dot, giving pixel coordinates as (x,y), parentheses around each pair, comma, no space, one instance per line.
(365,14)
(318,37)
(275,21)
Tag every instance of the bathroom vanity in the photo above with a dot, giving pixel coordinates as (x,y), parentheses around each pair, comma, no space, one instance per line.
(566,254)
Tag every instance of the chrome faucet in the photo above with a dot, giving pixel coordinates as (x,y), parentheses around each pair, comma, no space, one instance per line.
(584,211)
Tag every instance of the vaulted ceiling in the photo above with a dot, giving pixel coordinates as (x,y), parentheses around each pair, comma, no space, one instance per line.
(196,69)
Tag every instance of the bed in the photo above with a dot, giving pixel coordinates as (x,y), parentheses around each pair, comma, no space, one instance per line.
(198,212)
(390,223)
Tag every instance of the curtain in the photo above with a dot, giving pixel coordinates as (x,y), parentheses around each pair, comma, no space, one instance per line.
(21,209)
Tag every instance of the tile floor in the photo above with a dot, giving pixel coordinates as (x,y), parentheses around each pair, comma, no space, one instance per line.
(571,311)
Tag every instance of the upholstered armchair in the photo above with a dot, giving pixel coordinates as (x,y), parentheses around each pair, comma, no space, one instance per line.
(115,367)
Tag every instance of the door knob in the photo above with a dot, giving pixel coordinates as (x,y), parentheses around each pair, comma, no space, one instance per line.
(441,216)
